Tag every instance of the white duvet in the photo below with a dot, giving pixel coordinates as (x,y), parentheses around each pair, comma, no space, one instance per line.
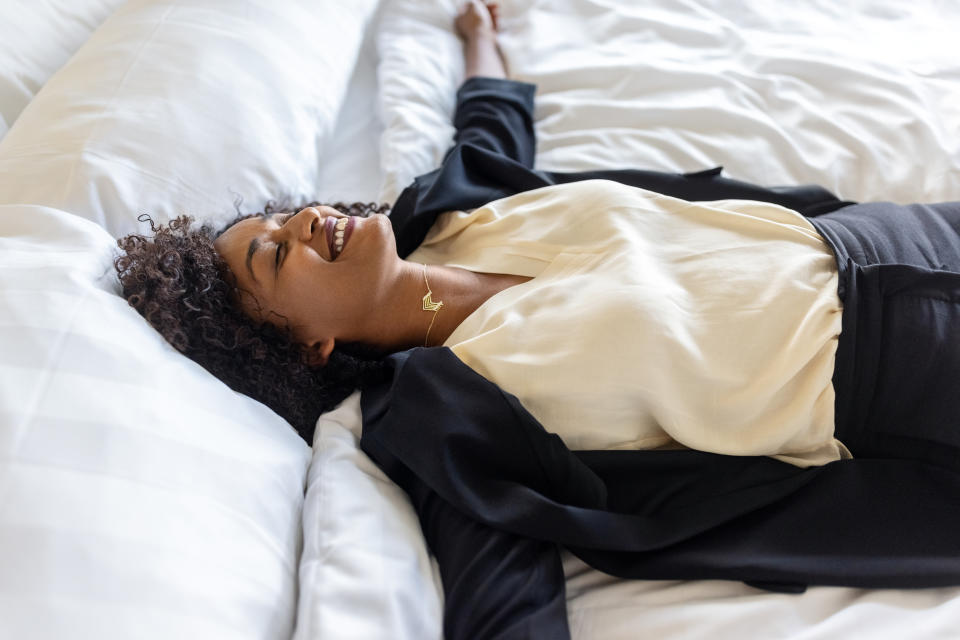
(859,97)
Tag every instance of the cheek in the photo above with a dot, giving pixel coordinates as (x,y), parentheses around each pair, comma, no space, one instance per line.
(291,299)
(300,290)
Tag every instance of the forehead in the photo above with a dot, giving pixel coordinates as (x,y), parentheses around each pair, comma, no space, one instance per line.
(244,230)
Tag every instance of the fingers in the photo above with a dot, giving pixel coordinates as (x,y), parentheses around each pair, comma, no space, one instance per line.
(494,9)
(477,14)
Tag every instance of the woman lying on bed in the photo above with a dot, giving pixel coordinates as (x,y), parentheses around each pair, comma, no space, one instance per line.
(756,383)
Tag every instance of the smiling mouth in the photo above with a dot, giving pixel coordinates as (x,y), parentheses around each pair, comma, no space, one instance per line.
(338,231)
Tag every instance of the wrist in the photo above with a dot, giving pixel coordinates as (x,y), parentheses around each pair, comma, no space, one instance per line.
(483,56)
(481,35)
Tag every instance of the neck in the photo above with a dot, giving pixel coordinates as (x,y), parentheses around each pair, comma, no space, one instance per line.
(461,291)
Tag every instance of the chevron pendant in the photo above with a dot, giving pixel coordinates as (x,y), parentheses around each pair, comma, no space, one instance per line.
(429,304)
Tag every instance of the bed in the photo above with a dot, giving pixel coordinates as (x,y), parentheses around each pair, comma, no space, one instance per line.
(140,497)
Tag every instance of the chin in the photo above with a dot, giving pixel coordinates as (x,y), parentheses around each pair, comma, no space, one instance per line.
(385,228)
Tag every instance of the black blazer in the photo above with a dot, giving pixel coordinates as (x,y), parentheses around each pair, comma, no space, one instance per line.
(496,494)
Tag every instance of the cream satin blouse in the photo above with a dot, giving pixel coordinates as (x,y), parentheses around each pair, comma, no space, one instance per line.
(654,322)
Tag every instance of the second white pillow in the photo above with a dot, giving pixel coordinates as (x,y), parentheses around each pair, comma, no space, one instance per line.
(175,108)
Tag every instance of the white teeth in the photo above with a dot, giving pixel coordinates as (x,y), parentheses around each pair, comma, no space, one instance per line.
(338,235)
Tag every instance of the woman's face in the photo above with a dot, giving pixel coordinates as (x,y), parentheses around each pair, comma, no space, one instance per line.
(293,273)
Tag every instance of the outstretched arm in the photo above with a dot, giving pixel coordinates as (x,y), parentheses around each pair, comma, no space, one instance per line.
(494,145)
(477,24)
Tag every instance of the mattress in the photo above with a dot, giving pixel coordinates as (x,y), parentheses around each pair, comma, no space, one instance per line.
(141,497)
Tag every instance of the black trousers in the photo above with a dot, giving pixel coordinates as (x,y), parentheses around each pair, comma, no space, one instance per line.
(897,374)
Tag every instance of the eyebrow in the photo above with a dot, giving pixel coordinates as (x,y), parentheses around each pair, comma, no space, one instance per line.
(252,249)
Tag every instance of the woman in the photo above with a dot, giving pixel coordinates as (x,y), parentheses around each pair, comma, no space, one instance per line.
(687,351)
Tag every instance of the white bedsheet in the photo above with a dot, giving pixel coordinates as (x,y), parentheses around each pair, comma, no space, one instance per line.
(859,97)
(601,607)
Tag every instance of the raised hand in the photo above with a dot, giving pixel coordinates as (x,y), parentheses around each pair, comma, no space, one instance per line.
(477,19)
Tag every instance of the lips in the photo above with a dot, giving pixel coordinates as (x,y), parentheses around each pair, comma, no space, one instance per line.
(329,228)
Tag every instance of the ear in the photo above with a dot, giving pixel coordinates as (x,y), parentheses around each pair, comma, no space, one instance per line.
(319,352)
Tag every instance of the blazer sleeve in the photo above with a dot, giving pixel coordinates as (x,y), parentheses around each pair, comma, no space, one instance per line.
(435,424)
(495,493)
(496,584)
(496,115)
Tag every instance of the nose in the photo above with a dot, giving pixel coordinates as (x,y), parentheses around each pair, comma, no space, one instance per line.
(307,223)
(322,212)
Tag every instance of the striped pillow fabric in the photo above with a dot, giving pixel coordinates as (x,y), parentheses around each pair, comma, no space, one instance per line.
(140,496)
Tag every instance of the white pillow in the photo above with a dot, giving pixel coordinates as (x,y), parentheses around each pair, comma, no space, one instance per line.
(365,570)
(421,66)
(355,175)
(36,38)
(141,498)
(175,107)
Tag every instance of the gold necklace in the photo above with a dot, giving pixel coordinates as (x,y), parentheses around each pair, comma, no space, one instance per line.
(429,305)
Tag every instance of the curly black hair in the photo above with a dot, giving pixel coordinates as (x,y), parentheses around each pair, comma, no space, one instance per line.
(180,284)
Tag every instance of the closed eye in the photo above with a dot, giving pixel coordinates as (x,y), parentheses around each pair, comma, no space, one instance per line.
(281,220)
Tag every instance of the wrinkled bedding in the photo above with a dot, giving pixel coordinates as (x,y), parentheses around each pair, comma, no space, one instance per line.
(861,98)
